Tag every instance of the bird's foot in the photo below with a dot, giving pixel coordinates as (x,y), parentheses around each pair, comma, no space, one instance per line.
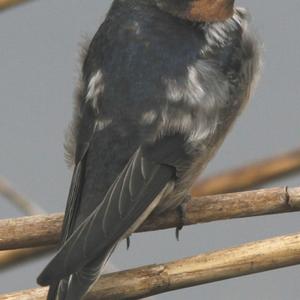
(181,210)
(128,242)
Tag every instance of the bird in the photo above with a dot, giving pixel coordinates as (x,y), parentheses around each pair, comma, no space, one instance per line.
(161,84)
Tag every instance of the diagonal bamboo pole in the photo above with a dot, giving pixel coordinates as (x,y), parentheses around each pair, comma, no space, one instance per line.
(25,205)
(248,176)
(38,231)
(4,4)
(150,280)
(11,257)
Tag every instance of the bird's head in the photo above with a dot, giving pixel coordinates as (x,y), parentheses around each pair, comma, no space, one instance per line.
(199,10)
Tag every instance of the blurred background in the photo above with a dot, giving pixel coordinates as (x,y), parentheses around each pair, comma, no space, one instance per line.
(39,46)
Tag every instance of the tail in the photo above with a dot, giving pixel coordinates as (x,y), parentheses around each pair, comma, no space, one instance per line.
(53,289)
(75,286)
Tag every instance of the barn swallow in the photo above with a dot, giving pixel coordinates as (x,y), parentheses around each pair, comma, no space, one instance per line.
(161,84)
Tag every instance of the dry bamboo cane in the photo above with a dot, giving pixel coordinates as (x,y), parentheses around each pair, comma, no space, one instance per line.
(11,257)
(248,176)
(150,280)
(4,4)
(38,231)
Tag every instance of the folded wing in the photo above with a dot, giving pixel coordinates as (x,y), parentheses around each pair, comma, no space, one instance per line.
(132,193)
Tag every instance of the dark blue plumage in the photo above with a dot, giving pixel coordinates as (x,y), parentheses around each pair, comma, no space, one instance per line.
(158,92)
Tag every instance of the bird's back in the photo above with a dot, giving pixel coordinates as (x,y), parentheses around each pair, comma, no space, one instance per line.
(137,49)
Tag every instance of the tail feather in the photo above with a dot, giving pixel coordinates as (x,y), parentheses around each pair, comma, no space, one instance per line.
(53,289)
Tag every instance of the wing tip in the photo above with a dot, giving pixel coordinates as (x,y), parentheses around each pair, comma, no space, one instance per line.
(46,277)
(43,279)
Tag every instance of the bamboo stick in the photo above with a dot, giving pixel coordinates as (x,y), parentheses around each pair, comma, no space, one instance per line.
(150,280)
(249,176)
(44,230)
(9,258)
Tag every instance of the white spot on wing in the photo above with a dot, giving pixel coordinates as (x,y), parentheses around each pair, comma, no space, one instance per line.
(102,124)
(95,88)
(194,92)
(201,133)
(198,119)
(148,117)
(190,90)
(137,28)
(174,91)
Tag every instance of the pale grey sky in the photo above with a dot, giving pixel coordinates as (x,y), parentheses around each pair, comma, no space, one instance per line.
(38,66)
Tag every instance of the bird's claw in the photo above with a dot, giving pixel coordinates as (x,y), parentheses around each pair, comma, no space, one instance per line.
(128,242)
(181,210)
